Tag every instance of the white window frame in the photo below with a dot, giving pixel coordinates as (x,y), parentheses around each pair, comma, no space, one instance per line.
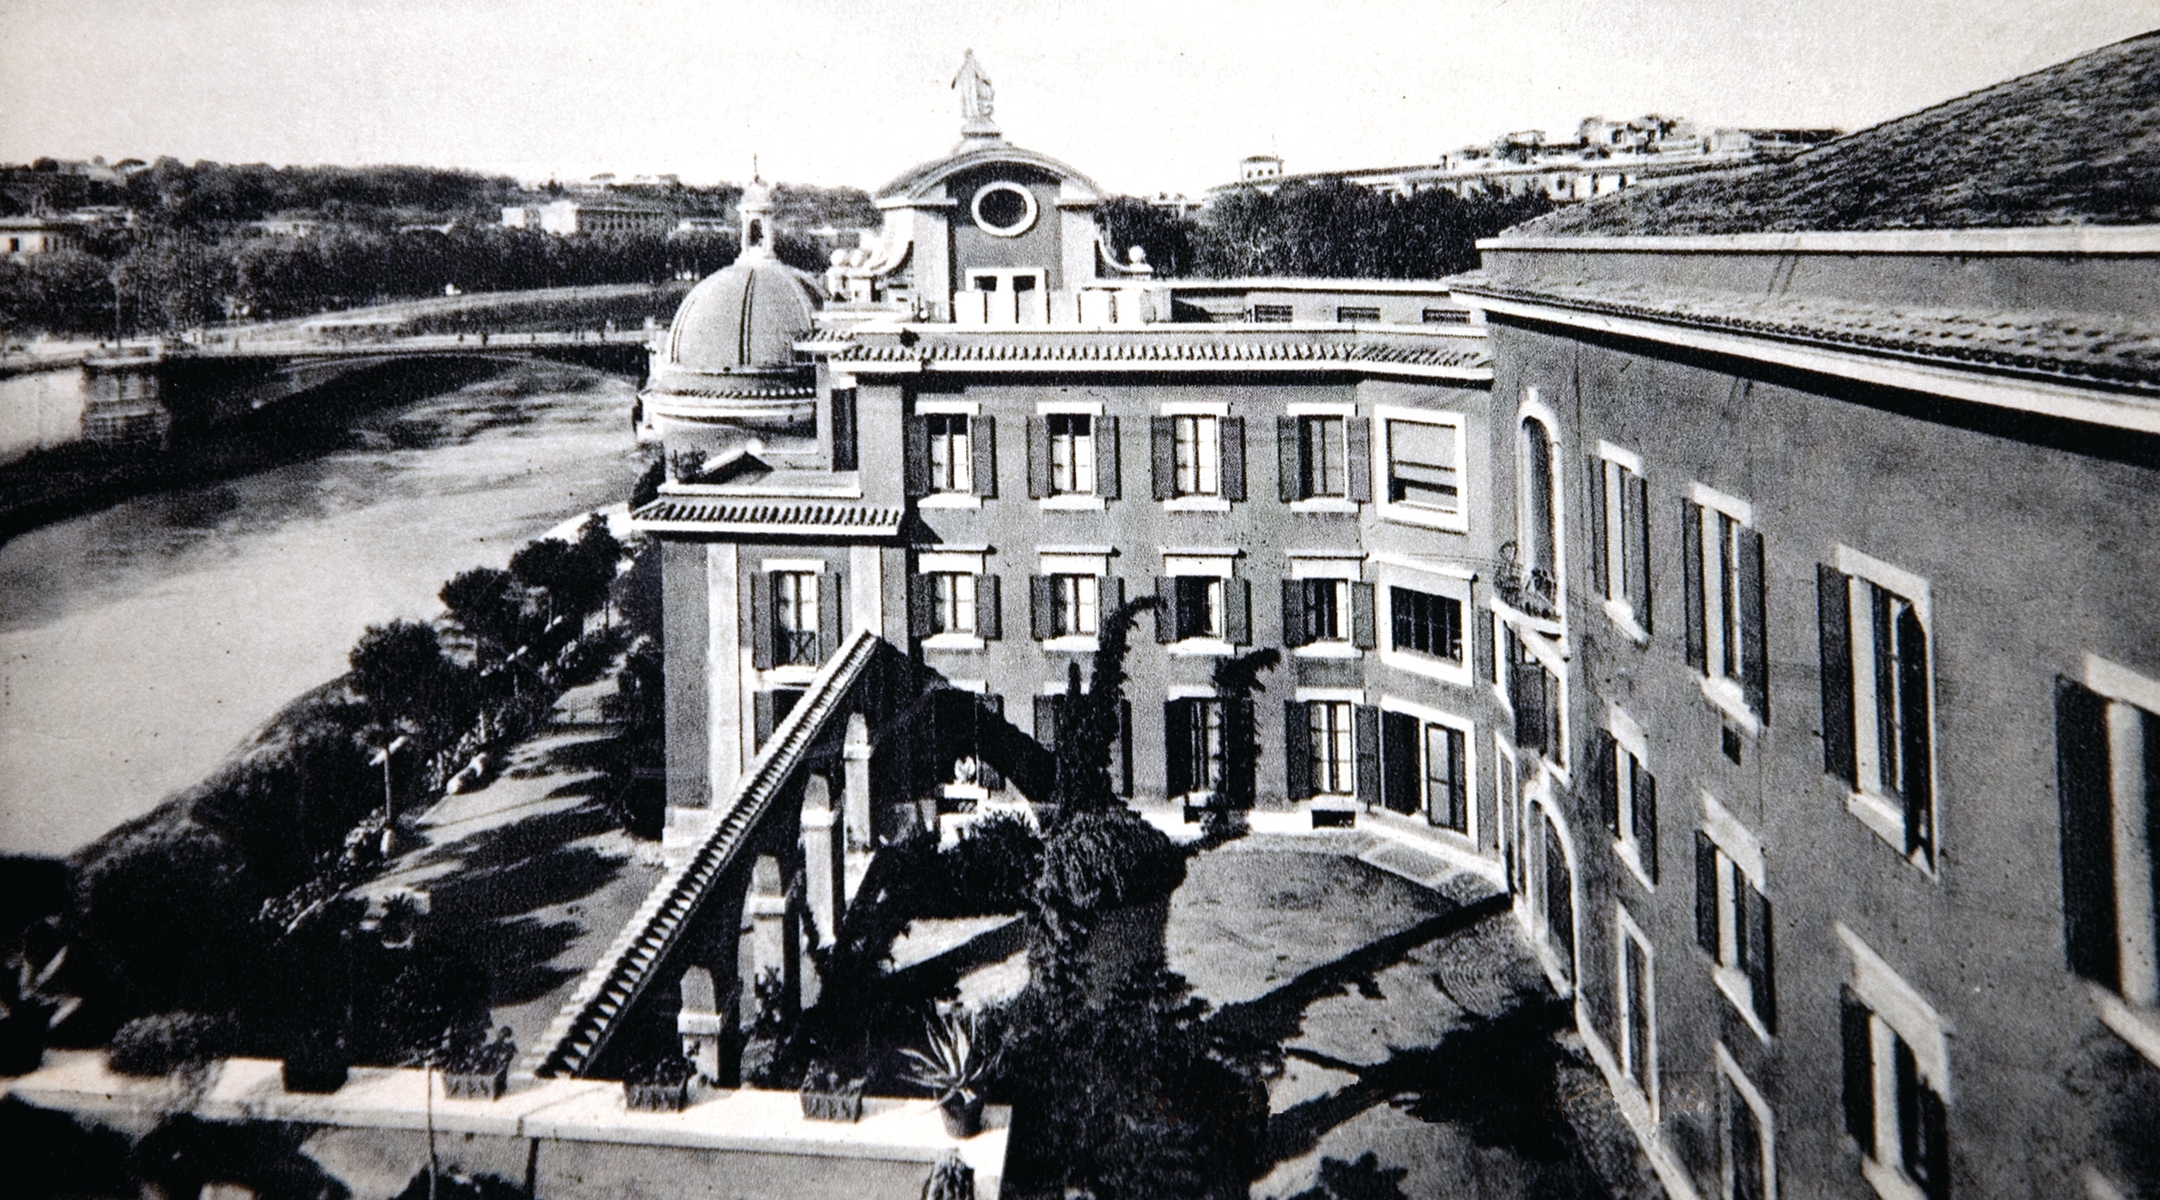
(1214,413)
(1740,857)
(1613,461)
(1726,691)
(1213,747)
(1326,503)
(1426,716)
(1434,580)
(1088,501)
(1880,811)
(951,561)
(1405,512)
(1625,932)
(1628,740)
(1219,566)
(1081,561)
(1729,1069)
(2134,1012)
(1566,985)
(1895,1008)
(971,409)
(1346,568)
(1341,745)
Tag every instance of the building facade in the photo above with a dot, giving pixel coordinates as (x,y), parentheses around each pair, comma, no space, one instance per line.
(1838,714)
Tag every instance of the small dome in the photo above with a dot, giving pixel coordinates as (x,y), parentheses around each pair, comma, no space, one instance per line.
(747,316)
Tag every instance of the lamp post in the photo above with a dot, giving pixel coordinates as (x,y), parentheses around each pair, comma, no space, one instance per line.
(389,800)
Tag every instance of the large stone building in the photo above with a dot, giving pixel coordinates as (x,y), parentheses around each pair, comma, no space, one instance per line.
(1004,431)
(1839,734)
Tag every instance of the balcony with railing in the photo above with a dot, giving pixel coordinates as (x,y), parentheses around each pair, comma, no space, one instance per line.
(1528,589)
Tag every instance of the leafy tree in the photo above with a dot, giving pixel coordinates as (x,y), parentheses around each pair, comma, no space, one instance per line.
(489,604)
(1169,240)
(400,669)
(1329,228)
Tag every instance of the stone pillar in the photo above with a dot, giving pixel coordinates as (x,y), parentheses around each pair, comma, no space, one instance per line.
(824,868)
(709,1025)
(769,946)
(856,754)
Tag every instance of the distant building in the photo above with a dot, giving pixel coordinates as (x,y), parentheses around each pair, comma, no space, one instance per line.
(1838,717)
(569,218)
(289,225)
(21,237)
(1605,157)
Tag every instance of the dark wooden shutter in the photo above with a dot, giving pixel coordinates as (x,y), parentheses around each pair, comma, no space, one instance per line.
(1458,797)
(1177,747)
(1481,647)
(1046,720)
(2088,839)
(1232,476)
(915,454)
(1754,639)
(1122,768)
(1918,784)
(761,620)
(1706,906)
(1110,595)
(989,617)
(1528,690)
(762,717)
(1237,611)
(1365,730)
(1297,751)
(831,607)
(1760,939)
(1833,636)
(1691,582)
(1605,779)
(1363,631)
(1108,473)
(1288,482)
(922,605)
(1166,613)
(1042,606)
(1399,762)
(1600,564)
(844,450)
(1038,457)
(1162,439)
(1293,613)
(1357,458)
(1635,545)
(989,777)
(1859,1056)
(982,453)
(1646,822)
(1930,1163)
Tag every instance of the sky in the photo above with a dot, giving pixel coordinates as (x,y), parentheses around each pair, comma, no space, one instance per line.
(1142,95)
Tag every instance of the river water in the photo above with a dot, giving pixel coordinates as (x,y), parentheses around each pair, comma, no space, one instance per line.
(140,644)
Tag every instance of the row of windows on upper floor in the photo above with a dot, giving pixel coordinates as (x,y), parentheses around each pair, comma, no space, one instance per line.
(1198,459)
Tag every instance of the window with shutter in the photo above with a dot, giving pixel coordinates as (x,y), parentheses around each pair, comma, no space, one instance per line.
(2107,746)
(1733,921)
(1400,778)
(915,454)
(1635,992)
(1296,615)
(1896,1074)
(1297,751)
(1071,449)
(1331,748)
(1723,573)
(1618,502)
(982,465)
(1559,902)
(1365,731)
(1107,470)
(1748,1169)
(1038,450)
(1877,691)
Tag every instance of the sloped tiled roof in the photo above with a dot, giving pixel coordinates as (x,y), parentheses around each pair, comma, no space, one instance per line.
(2116,350)
(1454,353)
(2076,143)
(723,514)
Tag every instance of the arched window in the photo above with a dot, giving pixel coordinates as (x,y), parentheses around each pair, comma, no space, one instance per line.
(1539,518)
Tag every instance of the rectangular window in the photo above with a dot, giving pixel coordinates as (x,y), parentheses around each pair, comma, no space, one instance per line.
(1620,539)
(1733,925)
(1074,605)
(1272,314)
(1072,453)
(2107,749)
(1447,785)
(1535,693)
(953,602)
(1324,456)
(1426,624)
(1636,994)
(1627,796)
(1876,692)
(1199,604)
(1749,1169)
(1321,457)
(1333,748)
(1193,746)
(1197,443)
(1896,1062)
(795,618)
(1446,316)
(1350,314)
(1722,568)
(1424,465)
(950,455)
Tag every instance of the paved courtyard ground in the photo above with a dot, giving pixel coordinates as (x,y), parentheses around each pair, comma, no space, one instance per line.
(1419,1058)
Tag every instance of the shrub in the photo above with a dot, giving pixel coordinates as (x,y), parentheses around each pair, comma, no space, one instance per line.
(165,1043)
(992,867)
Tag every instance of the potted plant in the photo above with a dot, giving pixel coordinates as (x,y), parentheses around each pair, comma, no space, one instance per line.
(660,1086)
(319,1064)
(953,1067)
(477,1069)
(827,1097)
(950,1179)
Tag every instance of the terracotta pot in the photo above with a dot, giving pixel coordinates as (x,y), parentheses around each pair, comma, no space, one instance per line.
(477,1085)
(657,1097)
(963,1114)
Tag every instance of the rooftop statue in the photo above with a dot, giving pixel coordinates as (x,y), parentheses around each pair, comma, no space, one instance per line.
(976,97)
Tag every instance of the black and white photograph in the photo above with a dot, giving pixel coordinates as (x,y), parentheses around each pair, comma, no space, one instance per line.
(1079,600)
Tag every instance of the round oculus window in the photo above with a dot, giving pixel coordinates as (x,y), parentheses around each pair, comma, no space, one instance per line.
(1004,209)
